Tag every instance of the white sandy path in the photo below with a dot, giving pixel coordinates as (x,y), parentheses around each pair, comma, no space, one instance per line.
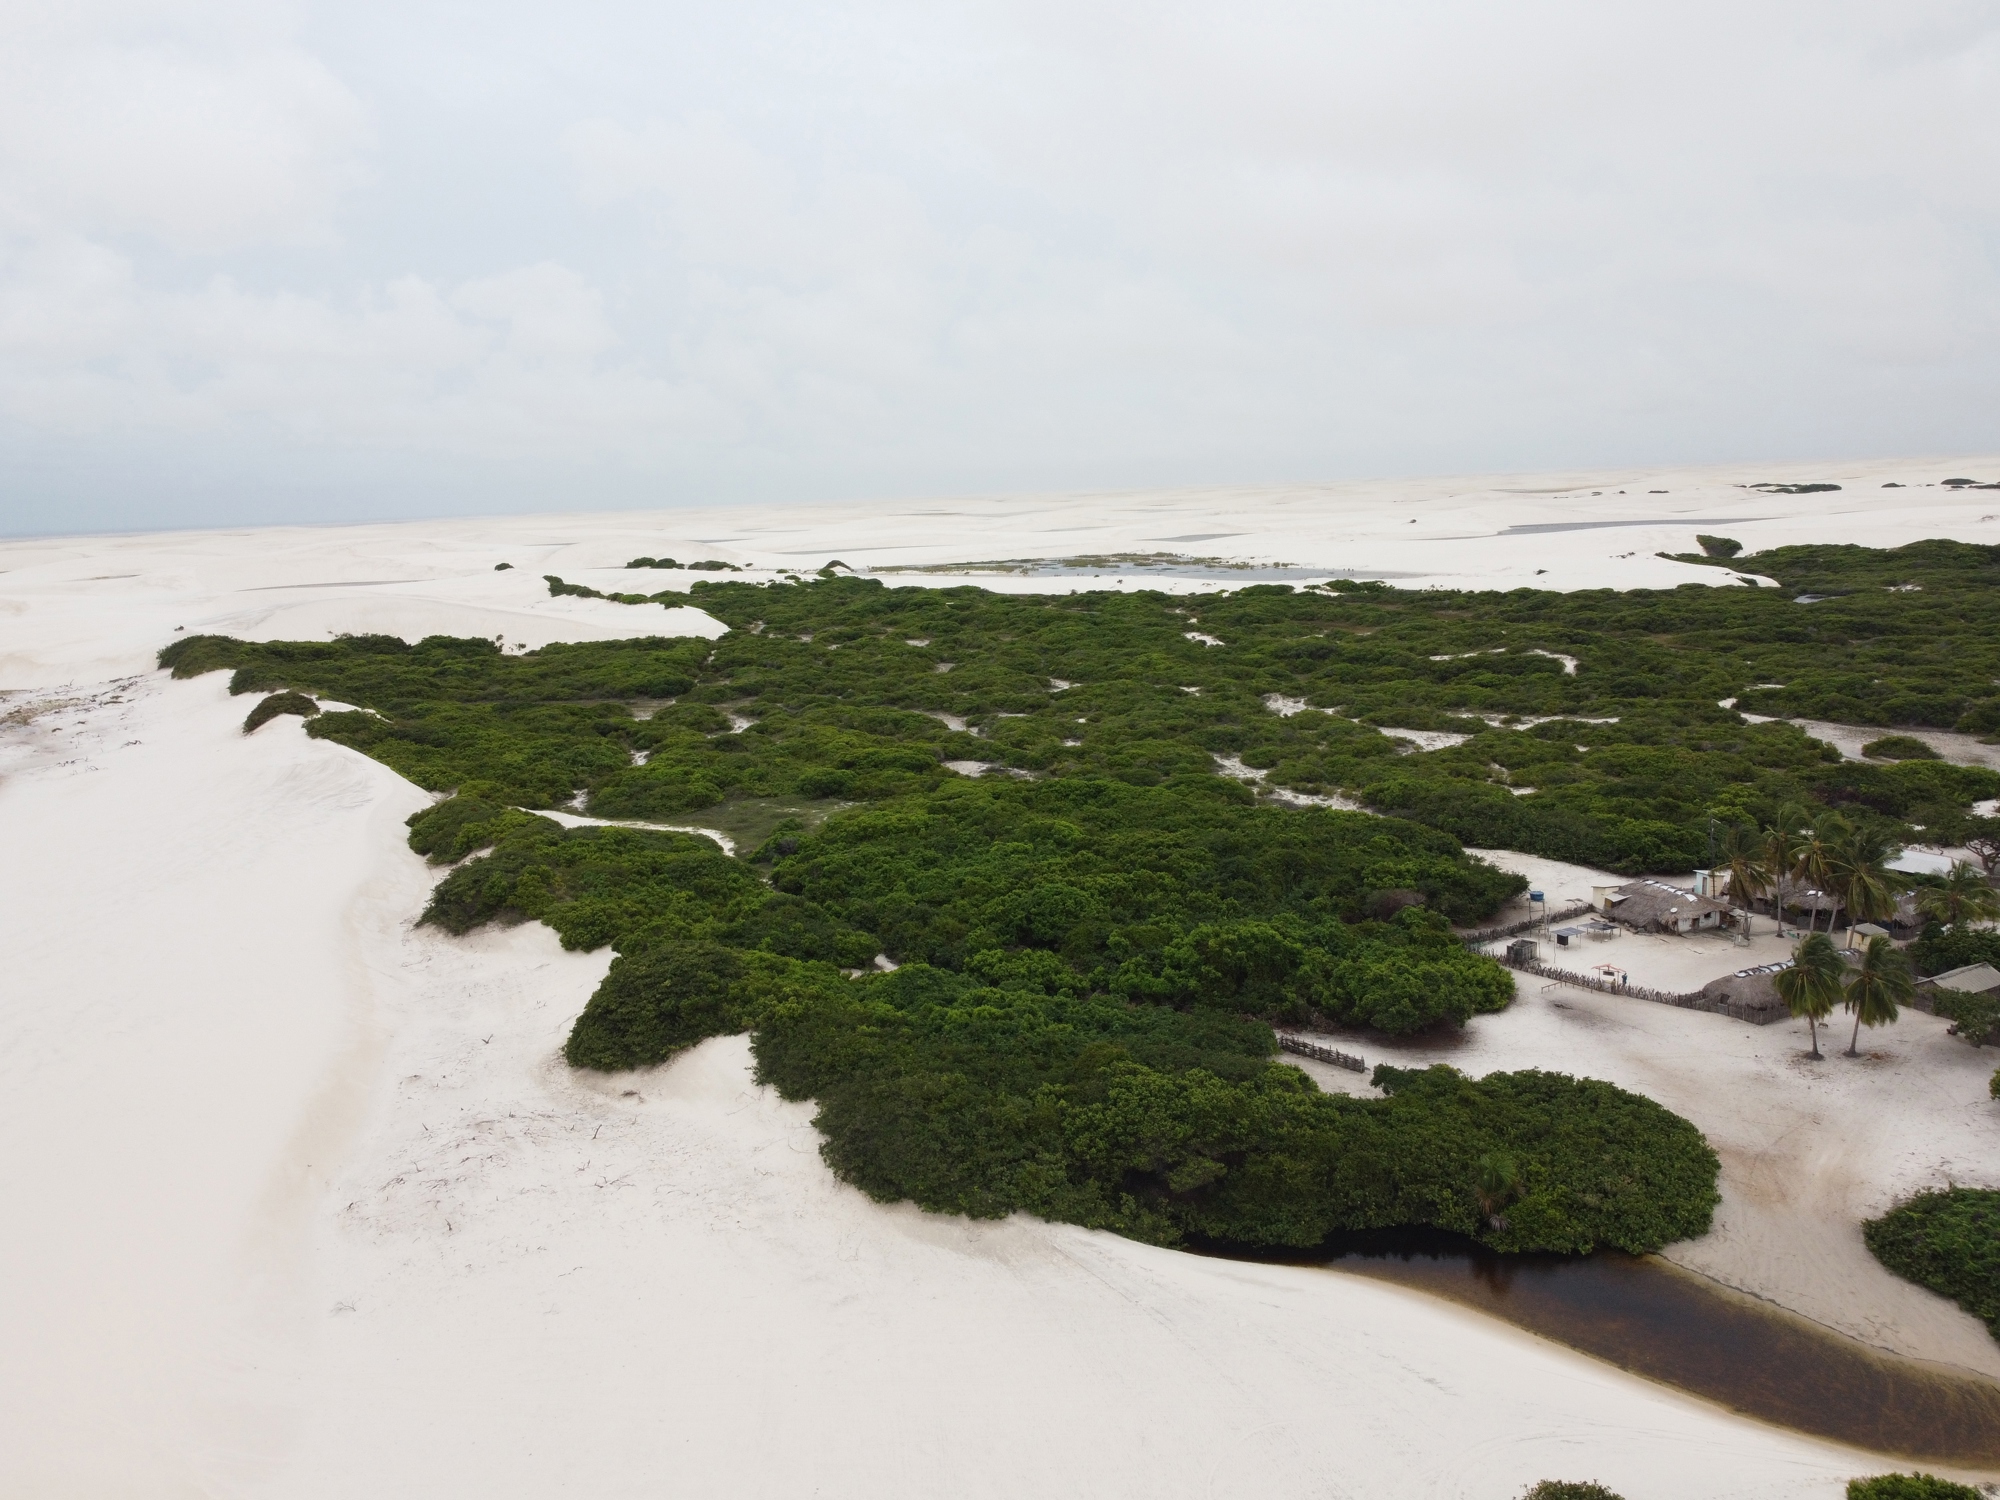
(301,1203)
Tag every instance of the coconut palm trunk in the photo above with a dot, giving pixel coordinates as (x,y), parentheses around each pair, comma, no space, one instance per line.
(1880,983)
(1810,988)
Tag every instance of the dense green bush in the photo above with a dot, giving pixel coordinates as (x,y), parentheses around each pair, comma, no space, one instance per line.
(1038,1073)
(279,703)
(1633,762)
(1976,1018)
(981,1099)
(1899,747)
(1561,1489)
(663,998)
(1910,1487)
(1948,1241)
(1940,949)
(1093,947)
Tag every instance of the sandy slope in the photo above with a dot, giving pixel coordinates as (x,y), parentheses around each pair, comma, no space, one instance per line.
(299,1202)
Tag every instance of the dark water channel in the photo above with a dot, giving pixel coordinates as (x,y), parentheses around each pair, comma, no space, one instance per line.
(1650,1318)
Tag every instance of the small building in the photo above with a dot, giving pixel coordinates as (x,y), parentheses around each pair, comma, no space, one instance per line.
(1751,994)
(1973,979)
(1655,906)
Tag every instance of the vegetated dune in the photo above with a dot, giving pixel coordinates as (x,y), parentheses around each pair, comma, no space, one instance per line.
(302,1201)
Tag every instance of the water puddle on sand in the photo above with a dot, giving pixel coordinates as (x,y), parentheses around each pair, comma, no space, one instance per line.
(1655,1320)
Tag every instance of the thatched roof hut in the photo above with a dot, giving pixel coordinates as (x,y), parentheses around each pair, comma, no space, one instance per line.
(1655,906)
(1755,990)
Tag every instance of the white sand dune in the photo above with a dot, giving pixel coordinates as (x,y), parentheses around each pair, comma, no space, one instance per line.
(301,1202)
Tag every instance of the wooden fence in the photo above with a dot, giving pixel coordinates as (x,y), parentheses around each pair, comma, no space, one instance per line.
(1493,934)
(1684,1000)
(1289,1043)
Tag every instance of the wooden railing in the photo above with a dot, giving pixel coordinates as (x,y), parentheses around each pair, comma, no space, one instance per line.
(1288,1042)
(1684,1000)
(1493,934)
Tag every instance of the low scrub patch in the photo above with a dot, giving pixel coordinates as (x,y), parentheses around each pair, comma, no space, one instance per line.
(1910,1487)
(1899,747)
(1947,1241)
(279,703)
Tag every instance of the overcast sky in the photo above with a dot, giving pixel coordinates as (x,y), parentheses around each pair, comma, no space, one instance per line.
(315,261)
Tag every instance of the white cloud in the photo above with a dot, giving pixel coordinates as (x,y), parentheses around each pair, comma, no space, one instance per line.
(1002,243)
(203,132)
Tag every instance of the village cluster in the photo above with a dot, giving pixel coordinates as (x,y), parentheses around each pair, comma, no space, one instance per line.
(1797,927)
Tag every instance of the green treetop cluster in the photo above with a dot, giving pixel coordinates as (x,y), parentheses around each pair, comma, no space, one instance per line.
(1094,945)
(1081,1029)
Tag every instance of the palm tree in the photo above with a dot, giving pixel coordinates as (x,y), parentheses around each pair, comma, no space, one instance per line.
(1880,983)
(1858,860)
(1961,896)
(1817,863)
(1743,862)
(1811,986)
(1496,1182)
(1780,850)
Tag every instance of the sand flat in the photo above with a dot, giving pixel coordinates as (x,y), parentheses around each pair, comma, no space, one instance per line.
(301,1201)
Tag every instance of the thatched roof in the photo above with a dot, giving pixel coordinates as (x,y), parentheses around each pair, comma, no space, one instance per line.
(1654,903)
(1755,989)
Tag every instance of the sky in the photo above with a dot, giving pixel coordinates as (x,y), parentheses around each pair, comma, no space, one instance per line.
(270,262)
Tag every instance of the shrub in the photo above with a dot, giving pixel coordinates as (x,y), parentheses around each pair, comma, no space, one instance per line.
(1561,1489)
(1167,1125)
(1948,1241)
(1939,949)
(279,703)
(1091,956)
(1899,747)
(1976,1018)
(1910,1487)
(1718,546)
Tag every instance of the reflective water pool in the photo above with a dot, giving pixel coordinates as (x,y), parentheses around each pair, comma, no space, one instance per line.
(1646,1316)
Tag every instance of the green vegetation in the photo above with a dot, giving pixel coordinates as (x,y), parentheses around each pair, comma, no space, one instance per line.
(1090,958)
(1564,1489)
(1940,949)
(1164,1124)
(1975,1018)
(1910,1487)
(837,694)
(279,703)
(1138,1095)
(1093,946)
(1960,897)
(1812,986)
(1718,546)
(1899,747)
(1880,983)
(1947,1241)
